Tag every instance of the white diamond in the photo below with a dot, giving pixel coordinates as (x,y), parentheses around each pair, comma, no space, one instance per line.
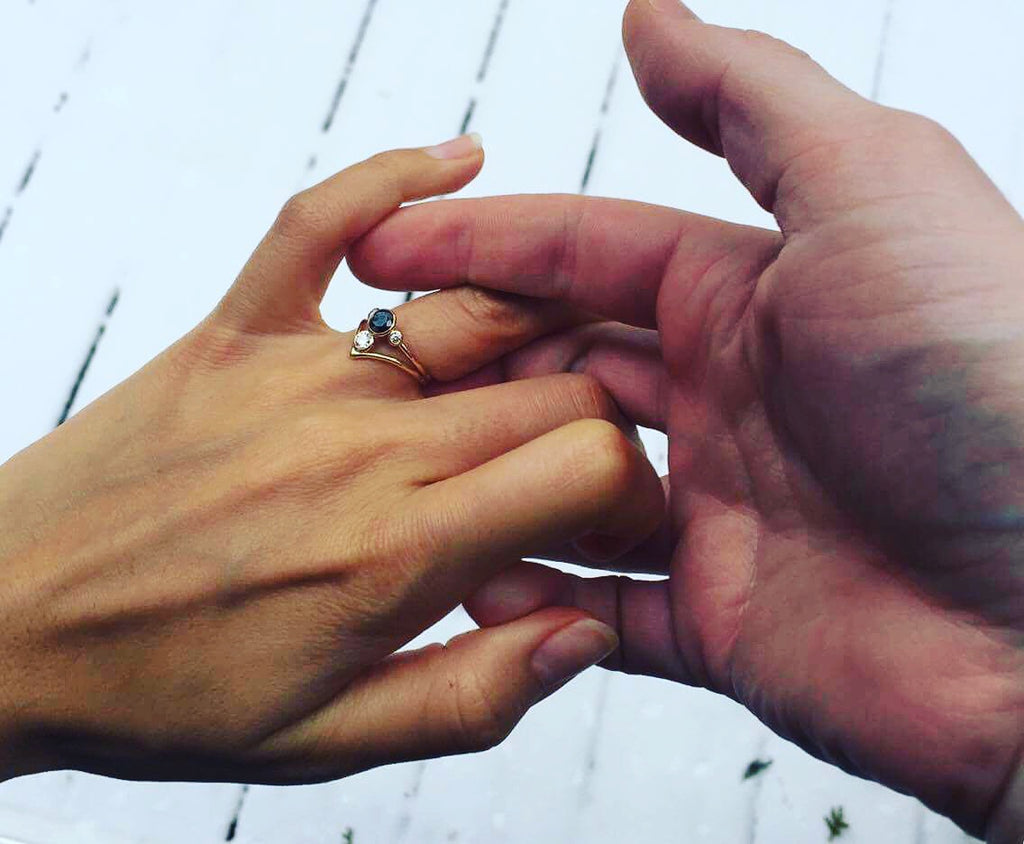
(363,340)
(395,338)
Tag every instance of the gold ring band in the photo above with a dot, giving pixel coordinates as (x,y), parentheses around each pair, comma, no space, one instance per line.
(379,329)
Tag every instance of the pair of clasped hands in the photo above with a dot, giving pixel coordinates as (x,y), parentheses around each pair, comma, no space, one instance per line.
(208,574)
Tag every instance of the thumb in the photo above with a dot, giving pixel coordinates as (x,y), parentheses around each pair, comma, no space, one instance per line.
(283,282)
(464,697)
(761,103)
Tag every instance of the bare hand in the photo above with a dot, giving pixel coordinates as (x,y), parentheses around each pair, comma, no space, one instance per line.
(206,573)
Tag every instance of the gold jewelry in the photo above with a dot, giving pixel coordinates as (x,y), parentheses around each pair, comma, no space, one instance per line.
(380,328)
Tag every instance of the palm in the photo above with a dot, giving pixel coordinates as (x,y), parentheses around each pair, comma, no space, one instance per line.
(788,586)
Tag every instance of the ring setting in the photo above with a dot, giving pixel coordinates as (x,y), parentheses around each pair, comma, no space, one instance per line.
(380,327)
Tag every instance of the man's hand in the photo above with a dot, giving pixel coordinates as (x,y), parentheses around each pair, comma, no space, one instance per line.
(844,402)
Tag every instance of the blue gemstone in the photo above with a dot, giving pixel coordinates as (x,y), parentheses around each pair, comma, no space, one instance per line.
(381,321)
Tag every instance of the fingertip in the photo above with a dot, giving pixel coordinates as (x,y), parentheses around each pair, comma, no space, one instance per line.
(570,651)
(516,593)
(643,14)
(464,147)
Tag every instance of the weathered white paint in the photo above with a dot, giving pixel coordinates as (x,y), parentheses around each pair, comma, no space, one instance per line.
(165,136)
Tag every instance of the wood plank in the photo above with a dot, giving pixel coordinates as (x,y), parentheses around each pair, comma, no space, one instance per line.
(191,124)
(46,53)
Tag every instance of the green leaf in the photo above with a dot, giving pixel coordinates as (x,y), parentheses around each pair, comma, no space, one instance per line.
(836,823)
(756,767)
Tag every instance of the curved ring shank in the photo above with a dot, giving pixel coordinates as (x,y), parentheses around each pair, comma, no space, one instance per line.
(409,365)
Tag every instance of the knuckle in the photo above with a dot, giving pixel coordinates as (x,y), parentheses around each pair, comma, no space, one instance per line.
(301,216)
(385,170)
(607,453)
(481,721)
(755,39)
(591,399)
(493,312)
(323,446)
(918,132)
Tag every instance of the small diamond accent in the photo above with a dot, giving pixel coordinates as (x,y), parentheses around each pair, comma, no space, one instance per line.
(395,338)
(363,340)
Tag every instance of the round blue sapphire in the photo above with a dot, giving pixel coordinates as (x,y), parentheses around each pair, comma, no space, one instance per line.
(381,321)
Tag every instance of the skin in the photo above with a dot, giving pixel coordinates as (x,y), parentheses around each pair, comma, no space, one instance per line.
(844,405)
(207,573)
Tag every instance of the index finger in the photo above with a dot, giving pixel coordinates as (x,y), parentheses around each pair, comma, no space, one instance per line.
(604,256)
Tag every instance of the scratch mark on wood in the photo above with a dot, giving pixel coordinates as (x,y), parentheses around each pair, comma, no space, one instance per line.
(243,792)
(464,127)
(605,107)
(5,220)
(590,162)
(29,171)
(883,46)
(586,793)
(492,41)
(100,331)
(405,819)
(353,56)
(485,63)
(468,117)
(609,88)
(86,54)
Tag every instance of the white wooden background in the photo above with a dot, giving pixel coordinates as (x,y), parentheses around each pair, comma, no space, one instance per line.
(144,148)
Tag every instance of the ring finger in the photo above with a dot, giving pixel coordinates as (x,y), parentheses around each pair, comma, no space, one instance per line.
(451,334)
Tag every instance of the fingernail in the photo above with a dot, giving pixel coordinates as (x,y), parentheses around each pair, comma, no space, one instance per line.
(460,147)
(572,650)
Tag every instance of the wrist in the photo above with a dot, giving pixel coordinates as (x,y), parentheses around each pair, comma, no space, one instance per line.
(1006,825)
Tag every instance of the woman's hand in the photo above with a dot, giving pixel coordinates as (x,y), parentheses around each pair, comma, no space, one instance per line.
(205,574)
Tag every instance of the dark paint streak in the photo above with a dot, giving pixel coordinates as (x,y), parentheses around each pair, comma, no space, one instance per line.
(353,56)
(29,171)
(233,826)
(492,41)
(100,331)
(590,162)
(586,794)
(62,101)
(468,117)
(405,820)
(605,107)
(5,220)
(609,89)
(883,46)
